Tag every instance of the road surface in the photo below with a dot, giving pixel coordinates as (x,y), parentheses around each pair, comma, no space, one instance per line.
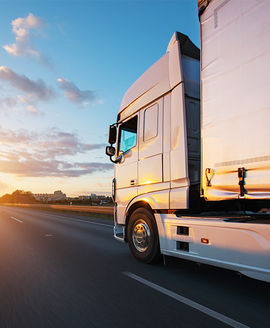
(70,208)
(65,270)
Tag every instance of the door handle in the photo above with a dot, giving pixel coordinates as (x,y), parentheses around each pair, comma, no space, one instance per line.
(132,182)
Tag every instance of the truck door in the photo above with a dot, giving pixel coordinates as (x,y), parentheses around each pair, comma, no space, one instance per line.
(126,170)
(150,144)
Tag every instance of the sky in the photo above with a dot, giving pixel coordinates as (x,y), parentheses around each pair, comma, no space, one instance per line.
(64,68)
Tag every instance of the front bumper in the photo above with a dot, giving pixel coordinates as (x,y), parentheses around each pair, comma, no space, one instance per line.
(119,232)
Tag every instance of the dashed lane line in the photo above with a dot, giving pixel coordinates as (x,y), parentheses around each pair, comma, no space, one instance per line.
(216,315)
(13,218)
(71,219)
(75,220)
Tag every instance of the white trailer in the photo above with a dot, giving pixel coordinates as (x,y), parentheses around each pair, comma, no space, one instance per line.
(192,160)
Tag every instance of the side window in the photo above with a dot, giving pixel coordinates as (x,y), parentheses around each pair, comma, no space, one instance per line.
(128,134)
(150,128)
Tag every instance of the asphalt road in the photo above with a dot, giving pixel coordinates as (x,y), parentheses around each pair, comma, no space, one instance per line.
(65,270)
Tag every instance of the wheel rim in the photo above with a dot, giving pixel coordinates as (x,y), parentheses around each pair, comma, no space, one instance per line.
(141,235)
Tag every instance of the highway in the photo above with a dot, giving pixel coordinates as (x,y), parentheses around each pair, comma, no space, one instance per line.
(66,270)
(69,208)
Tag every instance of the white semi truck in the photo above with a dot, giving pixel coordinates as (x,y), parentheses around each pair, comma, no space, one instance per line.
(192,154)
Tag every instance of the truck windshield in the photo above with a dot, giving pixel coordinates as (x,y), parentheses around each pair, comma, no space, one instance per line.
(128,135)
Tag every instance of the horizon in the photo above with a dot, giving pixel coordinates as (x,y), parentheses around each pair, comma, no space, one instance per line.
(97,193)
(63,73)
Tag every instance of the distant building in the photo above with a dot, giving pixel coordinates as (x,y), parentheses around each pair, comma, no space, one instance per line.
(84,197)
(94,196)
(58,195)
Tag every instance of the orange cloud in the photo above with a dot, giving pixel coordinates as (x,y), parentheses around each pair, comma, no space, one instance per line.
(42,155)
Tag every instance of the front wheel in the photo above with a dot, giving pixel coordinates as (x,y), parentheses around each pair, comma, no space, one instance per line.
(143,237)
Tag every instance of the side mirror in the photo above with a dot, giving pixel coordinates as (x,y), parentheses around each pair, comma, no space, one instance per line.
(110,151)
(112,134)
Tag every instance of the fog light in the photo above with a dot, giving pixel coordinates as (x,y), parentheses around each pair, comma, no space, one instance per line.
(205,240)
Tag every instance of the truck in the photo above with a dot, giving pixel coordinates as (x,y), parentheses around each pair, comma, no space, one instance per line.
(192,146)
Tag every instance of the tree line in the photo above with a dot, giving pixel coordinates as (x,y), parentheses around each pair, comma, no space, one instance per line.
(27,197)
(19,197)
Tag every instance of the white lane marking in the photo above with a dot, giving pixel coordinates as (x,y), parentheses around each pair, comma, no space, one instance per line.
(90,222)
(12,217)
(182,299)
(74,220)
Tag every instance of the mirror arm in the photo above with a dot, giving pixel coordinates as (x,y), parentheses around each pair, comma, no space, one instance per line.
(114,161)
(117,160)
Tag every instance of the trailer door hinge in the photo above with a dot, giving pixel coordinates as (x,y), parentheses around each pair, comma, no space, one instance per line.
(209,174)
(242,176)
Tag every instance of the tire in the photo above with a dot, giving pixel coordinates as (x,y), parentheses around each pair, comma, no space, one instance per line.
(143,239)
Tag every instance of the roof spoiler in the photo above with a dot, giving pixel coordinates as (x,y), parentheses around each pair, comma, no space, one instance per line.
(187,47)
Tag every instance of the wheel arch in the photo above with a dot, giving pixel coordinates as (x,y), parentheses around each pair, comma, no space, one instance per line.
(134,206)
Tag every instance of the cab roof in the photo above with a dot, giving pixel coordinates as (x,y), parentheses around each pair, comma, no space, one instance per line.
(160,78)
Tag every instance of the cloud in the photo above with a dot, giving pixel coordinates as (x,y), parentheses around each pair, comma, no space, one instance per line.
(36,90)
(42,154)
(9,102)
(31,109)
(21,27)
(58,143)
(49,168)
(33,91)
(74,94)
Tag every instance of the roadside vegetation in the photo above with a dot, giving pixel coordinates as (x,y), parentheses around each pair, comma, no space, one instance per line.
(85,207)
(19,197)
(27,197)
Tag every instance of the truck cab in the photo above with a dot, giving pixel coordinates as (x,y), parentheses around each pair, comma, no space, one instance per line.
(158,138)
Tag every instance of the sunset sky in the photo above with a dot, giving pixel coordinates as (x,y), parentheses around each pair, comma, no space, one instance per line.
(64,67)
